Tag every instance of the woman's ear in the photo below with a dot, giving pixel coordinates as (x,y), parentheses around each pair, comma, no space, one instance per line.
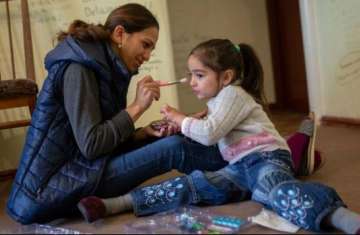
(118,34)
(228,76)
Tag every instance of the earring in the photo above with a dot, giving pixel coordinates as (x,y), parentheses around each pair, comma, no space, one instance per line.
(119,45)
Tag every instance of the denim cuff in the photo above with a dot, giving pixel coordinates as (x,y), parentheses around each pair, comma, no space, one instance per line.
(164,196)
(305,204)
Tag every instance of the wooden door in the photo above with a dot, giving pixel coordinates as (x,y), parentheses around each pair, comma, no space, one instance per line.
(288,55)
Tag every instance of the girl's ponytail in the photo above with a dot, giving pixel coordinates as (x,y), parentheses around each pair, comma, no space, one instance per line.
(251,74)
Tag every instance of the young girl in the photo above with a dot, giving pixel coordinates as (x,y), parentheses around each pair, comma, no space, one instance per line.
(230,77)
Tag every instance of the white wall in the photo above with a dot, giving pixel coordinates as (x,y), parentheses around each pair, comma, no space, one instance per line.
(331,31)
(238,20)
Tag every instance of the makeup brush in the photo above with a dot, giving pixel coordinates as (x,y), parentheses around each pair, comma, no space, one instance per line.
(183,80)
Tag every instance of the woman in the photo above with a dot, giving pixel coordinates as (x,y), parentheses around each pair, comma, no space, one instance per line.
(82,139)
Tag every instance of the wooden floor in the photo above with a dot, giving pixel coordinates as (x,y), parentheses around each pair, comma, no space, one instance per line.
(338,144)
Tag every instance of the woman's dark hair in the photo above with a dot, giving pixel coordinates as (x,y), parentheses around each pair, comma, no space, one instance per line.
(221,54)
(133,17)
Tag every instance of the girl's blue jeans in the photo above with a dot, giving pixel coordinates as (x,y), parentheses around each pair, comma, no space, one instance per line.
(138,162)
(266,177)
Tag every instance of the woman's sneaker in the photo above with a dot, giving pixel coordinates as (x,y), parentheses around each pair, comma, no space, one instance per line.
(92,208)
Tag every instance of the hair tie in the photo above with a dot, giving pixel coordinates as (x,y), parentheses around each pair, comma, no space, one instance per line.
(237,47)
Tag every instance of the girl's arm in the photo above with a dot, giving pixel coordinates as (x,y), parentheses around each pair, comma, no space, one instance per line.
(200,114)
(173,115)
(226,112)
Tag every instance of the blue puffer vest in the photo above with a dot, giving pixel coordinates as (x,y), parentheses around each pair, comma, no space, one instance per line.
(53,174)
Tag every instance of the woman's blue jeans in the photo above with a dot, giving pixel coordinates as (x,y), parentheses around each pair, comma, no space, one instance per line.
(135,163)
(267,177)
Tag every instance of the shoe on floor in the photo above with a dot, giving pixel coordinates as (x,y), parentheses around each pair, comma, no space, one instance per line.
(302,145)
(311,160)
(92,208)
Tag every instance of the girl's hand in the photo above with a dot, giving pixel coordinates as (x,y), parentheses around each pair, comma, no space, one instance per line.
(172,115)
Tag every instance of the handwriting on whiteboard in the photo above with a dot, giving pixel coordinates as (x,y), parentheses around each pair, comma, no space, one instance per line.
(349,67)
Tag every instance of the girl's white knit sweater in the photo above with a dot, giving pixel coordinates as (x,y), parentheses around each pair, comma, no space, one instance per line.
(236,123)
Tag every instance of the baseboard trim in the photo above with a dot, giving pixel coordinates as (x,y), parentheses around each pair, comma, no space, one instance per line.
(7,174)
(332,120)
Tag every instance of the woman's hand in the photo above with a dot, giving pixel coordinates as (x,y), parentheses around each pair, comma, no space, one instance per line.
(172,115)
(147,90)
(160,128)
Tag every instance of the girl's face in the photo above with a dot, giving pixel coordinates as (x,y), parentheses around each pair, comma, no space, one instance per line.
(136,47)
(205,82)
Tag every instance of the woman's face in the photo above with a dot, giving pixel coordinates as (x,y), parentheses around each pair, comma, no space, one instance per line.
(136,47)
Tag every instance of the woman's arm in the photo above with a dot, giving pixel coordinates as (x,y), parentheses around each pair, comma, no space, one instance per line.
(93,135)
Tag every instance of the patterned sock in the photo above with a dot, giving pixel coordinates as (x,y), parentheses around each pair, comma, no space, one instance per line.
(118,204)
(345,220)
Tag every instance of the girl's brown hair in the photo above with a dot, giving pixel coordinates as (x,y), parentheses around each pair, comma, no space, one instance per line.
(133,17)
(221,54)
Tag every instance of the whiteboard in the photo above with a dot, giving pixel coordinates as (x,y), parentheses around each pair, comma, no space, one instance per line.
(333,43)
